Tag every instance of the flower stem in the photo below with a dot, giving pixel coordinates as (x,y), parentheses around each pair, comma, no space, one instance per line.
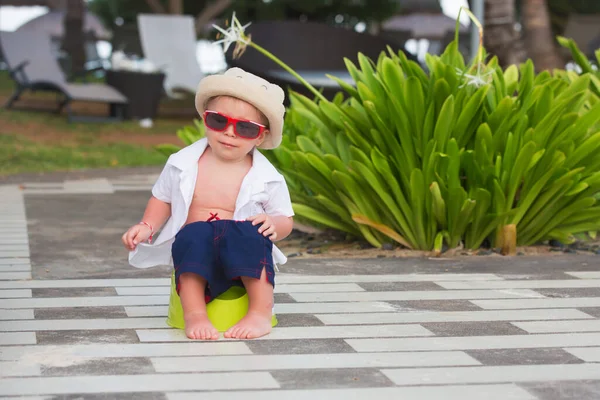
(288,69)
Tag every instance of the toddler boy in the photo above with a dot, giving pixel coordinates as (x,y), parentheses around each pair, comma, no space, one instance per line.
(224,205)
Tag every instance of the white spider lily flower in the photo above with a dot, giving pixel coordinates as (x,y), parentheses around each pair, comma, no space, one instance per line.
(233,34)
(479,79)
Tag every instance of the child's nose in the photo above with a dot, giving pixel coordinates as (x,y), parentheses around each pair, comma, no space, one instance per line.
(229,130)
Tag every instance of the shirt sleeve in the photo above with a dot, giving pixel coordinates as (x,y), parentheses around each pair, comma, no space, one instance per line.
(279,202)
(162,187)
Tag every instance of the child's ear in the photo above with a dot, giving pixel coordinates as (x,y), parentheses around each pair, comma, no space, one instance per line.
(262,136)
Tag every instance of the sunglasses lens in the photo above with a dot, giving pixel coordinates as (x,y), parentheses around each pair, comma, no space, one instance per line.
(247,129)
(215,121)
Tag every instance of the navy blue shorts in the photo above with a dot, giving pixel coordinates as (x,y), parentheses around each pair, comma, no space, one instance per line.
(222,251)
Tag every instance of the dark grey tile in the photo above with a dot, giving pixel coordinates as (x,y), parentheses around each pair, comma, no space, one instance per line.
(331,378)
(524,356)
(89,244)
(436,305)
(102,366)
(399,286)
(570,292)
(80,313)
(555,275)
(74,292)
(300,346)
(87,336)
(593,311)
(298,320)
(564,390)
(469,328)
(283,298)
(113,396)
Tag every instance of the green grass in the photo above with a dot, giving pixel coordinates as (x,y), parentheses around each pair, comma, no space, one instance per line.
(18,155)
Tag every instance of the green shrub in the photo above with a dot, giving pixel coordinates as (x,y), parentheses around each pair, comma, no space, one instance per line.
(454,155)
(581,60)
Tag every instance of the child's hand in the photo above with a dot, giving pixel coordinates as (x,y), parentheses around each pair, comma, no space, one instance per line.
(136,234)
(268,226)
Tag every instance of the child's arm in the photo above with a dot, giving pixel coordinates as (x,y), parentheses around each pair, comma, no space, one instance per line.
(156,214)
(277,222)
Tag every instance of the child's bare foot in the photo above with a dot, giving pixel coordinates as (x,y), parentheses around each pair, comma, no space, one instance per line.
(198,326)
(252,326)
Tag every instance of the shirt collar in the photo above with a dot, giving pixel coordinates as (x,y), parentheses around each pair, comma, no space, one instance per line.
(188,157)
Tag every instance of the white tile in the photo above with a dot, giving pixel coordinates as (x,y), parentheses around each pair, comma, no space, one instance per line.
(12,368)
(317,287)
(587,354)
(43,184)
(61,302)
(327,308)
(136,383)
(16,337)
(523,284)
(476,342)
(14,275)
(293,278)
(451,316)
(285,308)
(14,253)
(15,268)
(14,293)
(493,374)
(87,183)
(573,302)
(310,332)
(487,392)
(83,283)
(585,274)
(143,290)
(14,236)
(311,361)
(5,241)
(54,355)
(333,287)
(147,311)
(16,314)
(84,324)
(417,295)
(15,260)
(13,247)
(559,326)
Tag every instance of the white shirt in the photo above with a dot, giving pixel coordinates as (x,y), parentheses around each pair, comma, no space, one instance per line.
(263,190)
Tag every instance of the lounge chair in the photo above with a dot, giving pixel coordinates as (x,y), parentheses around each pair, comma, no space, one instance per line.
(33,66)
(169,42)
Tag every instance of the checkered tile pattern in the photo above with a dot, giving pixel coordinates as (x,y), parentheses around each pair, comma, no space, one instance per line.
(404,335)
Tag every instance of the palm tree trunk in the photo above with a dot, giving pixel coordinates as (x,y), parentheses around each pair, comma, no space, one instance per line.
(538,36)
(500,36)
(73,40)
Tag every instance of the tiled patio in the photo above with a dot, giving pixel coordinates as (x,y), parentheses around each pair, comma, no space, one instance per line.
(77,322)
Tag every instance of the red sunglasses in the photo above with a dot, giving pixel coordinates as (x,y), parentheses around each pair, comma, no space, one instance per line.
(242,127)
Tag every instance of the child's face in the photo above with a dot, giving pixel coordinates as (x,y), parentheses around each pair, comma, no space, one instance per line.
(226,144)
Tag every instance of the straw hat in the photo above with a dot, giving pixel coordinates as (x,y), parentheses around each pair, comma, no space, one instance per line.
(266,97)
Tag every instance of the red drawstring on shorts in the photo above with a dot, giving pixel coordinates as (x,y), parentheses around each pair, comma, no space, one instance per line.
(214,216)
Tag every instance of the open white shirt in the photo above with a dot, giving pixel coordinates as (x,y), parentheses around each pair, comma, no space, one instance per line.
(263,190)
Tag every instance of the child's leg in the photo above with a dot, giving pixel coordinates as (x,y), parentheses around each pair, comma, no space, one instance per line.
(257,322)
(191,293)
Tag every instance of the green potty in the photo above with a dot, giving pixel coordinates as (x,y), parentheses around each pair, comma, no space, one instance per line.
(224,311)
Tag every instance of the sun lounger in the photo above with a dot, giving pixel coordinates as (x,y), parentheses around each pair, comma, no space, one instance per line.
(33,67)
(169,42)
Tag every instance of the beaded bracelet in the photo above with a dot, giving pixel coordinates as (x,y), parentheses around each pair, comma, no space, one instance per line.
(151,229)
